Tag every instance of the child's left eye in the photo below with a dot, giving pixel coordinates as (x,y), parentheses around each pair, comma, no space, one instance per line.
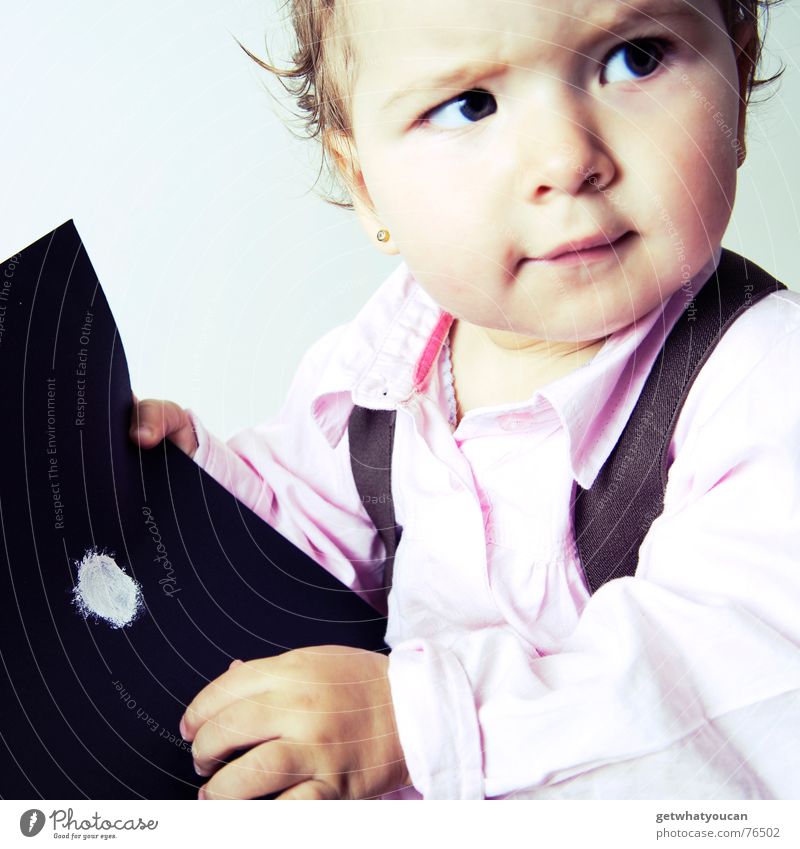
(642,56)
(472,106)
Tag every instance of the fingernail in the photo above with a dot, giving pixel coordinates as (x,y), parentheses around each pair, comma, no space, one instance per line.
(182,727)
(146,432)
(201,793)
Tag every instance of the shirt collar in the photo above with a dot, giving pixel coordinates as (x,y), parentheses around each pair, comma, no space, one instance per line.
(386,353)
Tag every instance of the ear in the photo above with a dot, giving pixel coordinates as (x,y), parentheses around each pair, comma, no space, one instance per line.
(342,149)
(744,45)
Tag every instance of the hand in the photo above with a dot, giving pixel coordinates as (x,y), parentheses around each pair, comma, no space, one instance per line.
(152,421)
(318,721)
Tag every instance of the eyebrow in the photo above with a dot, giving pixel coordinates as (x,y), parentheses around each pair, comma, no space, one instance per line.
(457,77)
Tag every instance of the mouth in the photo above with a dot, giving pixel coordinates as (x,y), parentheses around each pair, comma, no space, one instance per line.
(592,249)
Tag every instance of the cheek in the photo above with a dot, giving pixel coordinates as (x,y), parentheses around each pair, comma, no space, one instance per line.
(716,181)
(700,183)
(423,184)
(711,140)
(456,290)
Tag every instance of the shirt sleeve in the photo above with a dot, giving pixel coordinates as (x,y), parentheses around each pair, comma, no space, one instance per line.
(287,472)
(675,673)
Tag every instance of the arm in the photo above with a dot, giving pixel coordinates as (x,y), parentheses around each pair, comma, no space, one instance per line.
(684,665)
(287,472)
(304,735)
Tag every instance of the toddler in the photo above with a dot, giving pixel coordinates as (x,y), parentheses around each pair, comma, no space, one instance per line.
(556,178)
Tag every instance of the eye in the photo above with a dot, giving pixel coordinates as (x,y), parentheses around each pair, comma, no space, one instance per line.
(640,57)
(469,107)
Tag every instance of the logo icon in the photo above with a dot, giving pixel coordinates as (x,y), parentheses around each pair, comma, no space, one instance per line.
(31,822)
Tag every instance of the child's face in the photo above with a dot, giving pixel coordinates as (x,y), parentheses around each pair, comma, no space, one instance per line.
(567,134)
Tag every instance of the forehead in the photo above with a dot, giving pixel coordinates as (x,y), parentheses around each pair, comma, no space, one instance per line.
(399,36)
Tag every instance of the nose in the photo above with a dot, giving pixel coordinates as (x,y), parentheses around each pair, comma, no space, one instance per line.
(561,150)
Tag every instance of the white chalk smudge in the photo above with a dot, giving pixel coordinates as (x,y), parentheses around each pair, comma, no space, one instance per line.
(104,590)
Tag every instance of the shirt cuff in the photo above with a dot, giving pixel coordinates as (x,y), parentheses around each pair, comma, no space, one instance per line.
(437,721)
(204,440)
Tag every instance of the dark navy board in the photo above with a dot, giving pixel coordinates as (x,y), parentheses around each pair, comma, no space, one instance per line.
(87,710)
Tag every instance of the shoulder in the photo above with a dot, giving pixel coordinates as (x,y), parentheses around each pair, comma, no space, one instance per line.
(341,354)
(743,401)
(758,357)
(320,394)
(322,349)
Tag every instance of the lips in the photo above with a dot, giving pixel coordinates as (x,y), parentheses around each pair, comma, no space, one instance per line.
(599,240)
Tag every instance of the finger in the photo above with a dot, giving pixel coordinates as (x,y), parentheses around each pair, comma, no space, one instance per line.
(240,682)
(268,768)
(153,420)
(240,725)
(313,789)
(159,419)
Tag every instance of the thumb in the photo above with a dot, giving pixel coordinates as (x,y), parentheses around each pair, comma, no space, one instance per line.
(152,420)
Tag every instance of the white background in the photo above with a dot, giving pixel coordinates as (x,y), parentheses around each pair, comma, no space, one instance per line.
(147,124)
(359,823)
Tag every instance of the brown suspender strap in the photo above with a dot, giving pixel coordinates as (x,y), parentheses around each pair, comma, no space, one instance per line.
(613,517)
(371,437)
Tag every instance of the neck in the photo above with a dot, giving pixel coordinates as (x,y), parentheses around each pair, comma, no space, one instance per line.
(496,367)
(506,346)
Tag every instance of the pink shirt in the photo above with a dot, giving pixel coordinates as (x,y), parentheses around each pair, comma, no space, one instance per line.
(508,678)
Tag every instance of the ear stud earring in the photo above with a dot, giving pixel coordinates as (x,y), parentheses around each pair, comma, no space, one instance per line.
(383,236)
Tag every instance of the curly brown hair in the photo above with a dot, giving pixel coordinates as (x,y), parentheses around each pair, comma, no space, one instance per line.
(324,65)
